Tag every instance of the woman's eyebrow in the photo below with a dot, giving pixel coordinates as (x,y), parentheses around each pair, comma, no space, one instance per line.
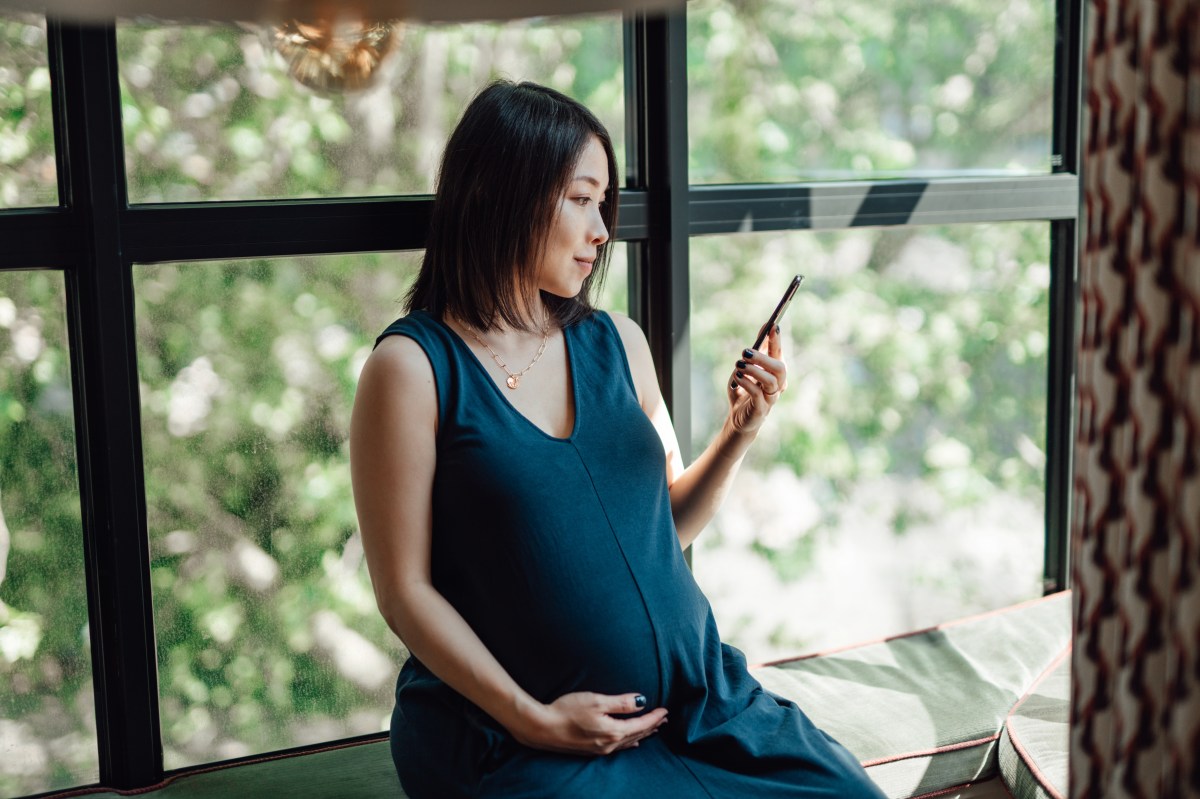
(587,178)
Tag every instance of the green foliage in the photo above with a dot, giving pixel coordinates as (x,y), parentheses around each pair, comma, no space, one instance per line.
(45,664)
(919,352)
(782,90)
(253,536)
(27,168)
(211,112)
(918,368)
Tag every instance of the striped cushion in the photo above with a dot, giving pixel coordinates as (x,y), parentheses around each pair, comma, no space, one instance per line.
(1033,749)
(925,711)
(358,770)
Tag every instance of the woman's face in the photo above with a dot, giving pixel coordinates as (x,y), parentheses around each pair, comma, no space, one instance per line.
(578,229)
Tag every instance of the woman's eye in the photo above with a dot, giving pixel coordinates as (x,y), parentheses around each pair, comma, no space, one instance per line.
(583,200)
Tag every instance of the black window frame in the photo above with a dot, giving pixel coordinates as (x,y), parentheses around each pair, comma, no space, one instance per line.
(95,237)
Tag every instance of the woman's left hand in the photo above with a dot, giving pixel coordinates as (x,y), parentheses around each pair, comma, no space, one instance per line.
(757,381)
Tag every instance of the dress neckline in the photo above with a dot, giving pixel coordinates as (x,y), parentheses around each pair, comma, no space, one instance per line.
(573,387)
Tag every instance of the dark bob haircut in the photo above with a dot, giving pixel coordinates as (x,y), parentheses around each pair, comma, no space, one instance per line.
(503,175)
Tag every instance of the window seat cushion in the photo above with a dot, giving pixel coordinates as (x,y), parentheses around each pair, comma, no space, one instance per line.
(360,770)
(1033,749)
(925,713)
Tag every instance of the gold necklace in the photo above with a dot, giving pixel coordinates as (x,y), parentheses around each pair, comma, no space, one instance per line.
(514,378)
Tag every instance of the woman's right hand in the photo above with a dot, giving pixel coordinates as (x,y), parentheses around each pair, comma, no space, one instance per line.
(583,723)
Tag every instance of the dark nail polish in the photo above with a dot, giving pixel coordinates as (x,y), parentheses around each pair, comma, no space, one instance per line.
(748,354)
(741,364)
(733,384)
(741,374)
(639,700)
(776,328)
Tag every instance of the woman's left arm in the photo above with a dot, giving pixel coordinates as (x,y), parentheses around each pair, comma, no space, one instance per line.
(754,387)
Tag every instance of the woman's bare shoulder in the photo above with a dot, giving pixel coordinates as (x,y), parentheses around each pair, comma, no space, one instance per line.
(400,356)
(398,371)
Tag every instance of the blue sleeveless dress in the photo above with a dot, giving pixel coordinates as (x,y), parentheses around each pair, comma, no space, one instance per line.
(561,554)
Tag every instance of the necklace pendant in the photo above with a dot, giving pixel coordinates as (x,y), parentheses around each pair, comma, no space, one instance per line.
(513,381)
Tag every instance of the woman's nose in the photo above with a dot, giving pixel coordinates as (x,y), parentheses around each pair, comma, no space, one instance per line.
(599,231)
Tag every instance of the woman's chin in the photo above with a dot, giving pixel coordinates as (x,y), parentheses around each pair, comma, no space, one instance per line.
(564,292)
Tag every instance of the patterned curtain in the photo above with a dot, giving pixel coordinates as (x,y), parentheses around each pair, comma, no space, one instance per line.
(1136,529)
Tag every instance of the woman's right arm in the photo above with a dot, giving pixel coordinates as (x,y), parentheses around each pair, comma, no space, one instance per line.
(393,455)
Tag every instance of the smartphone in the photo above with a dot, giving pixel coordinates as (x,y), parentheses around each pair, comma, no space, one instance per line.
(779,311)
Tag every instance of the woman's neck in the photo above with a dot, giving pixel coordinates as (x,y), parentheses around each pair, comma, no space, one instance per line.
(538,323)
(533,312)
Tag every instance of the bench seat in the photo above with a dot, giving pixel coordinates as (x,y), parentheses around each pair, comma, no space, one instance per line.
(926,711)
(975,707)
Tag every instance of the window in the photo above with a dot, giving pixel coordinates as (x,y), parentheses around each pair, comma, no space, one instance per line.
(901,482)
(28,174)
(200,331)
(213,113)
(265,620)
(47,710)
(855,90)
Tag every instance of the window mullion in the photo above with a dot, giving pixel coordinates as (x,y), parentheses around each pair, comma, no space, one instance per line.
(104,375)
(1064,268)
(659,144)
(1060,402)
(273,228)
(840,205)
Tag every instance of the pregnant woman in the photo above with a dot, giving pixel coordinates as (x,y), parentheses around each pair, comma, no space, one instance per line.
(524,507)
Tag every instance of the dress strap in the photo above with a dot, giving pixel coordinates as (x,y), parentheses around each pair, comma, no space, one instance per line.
(436,342)
(603,342)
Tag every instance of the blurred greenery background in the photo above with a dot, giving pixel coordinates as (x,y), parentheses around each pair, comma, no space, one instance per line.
(898,484)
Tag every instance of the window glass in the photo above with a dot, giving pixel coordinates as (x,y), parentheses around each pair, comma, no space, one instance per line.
(47,709)
(781,91)
(213,113)
(268,634)
(28,174)
(899,481)
(267,631)
(614,293)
